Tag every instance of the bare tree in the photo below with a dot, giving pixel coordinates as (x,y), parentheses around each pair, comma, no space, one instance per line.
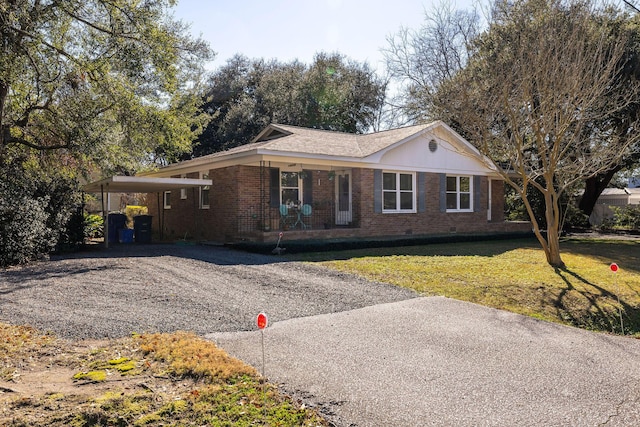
(538,80)
(419,61)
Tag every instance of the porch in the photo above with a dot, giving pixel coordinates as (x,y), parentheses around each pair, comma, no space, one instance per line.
(296,219)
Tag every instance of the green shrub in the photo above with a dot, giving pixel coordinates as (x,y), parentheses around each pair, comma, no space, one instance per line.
(626,217)
(36,213)
(93,226)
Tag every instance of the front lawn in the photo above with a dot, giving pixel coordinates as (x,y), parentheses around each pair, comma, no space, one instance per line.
(513,275)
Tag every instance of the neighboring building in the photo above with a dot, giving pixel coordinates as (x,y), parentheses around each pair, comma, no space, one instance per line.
(314,184)
(613,197)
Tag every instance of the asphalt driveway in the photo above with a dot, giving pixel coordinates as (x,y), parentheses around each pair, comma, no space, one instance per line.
(442,362)
(365,354)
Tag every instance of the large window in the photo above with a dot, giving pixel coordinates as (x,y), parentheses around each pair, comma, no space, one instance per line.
(398,192)
(290,188)
(204,193)
(459,194)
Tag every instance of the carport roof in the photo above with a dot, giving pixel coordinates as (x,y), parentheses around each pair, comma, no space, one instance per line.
(142,184)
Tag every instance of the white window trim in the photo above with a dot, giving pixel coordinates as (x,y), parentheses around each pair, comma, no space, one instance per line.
(300,185)
(458,192)
(397,191)
(165,198)
(183,191)
(204,175)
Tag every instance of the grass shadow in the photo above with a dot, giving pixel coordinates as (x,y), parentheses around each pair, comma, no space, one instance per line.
(591,306)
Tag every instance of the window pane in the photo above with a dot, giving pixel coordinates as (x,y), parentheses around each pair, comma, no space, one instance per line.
(452,201)
(205,198)
(465,201)
(167,198)
(290,196)
(406,200)
(389,181)
(452,184)
(289,179)
(389,200)
(406,182)
(465,184)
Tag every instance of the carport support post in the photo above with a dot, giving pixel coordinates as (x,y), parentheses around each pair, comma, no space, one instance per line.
(105,216)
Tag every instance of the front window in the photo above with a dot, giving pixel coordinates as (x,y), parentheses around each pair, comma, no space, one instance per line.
(459,193)
(290,188)
(398,192)
(167,199)
(183,191)
(204,193)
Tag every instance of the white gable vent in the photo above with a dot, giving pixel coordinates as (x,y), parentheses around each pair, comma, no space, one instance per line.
(433,145)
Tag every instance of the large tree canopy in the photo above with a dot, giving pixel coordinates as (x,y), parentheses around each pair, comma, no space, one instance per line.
(539,97)
(245,95)
(86,87)
(105,83)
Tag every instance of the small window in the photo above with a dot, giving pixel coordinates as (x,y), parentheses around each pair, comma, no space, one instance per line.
(167,199)
(459,194)
(204,193)
(183,191)
(290,188)
(398,192)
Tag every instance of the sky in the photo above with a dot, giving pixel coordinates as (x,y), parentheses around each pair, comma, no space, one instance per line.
(297,29)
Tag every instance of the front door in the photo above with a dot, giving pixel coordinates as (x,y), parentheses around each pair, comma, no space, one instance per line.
(343,198)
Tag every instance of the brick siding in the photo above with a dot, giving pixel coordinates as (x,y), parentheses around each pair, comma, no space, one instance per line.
(239,197)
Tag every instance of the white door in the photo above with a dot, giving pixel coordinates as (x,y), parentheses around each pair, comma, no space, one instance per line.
(343,198)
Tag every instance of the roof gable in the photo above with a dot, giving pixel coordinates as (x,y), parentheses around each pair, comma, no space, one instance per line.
(400,147)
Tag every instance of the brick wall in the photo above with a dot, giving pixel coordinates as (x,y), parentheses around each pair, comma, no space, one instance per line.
(239,200)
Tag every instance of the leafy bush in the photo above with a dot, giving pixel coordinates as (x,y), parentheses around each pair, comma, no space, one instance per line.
(625,217)
(35,213)
(93,226)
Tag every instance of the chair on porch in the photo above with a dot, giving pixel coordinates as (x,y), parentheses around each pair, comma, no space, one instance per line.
(284,216)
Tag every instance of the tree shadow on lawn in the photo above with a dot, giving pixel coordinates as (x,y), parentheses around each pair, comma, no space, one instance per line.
(594,307)
(626,253)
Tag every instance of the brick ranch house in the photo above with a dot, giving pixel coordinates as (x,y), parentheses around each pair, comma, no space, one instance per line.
(315,184)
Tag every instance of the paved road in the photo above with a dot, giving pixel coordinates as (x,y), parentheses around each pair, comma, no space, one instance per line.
(437,361)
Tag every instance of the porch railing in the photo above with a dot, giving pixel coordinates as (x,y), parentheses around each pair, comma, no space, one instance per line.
(322,216)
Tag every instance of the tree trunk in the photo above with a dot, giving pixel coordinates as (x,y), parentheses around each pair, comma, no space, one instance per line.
(593,187)
(553,215)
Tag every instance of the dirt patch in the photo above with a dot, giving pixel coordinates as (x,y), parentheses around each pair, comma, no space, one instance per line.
(146,380)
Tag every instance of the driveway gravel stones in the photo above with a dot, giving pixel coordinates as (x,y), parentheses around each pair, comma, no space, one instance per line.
(162,288)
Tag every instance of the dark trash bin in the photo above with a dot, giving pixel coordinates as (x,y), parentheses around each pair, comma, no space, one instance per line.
(117,222)
(142,228)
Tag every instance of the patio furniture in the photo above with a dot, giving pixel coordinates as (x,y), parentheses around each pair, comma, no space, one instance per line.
(284,216)
(303,212)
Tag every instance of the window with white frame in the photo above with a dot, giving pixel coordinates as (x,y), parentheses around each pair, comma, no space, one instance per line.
(459,194)
(167,199)
(290,188)
(183,191)
(398,192)
(204,193)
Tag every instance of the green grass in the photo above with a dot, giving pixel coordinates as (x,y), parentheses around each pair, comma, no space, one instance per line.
(513,275)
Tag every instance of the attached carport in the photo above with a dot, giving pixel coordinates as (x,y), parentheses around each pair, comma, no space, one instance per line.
(138,184)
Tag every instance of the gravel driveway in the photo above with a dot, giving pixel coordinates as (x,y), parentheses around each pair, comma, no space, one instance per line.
(162,288)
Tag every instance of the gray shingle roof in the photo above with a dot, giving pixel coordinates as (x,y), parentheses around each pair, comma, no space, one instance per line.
(322,142)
